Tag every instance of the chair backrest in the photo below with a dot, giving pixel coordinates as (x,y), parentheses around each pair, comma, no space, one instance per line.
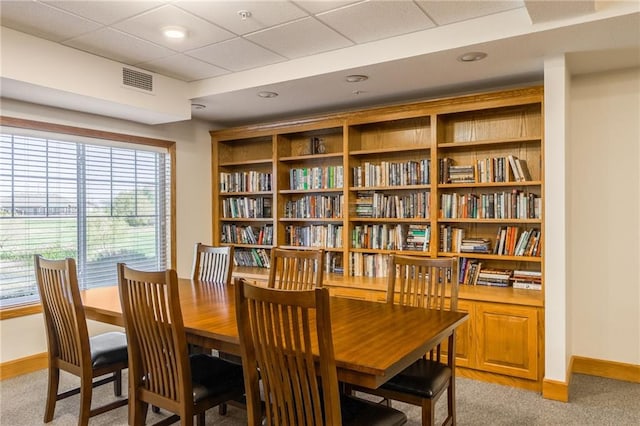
(66,324)
(423,282)
(276,336)
(296,269)
(212,263)
(158,357)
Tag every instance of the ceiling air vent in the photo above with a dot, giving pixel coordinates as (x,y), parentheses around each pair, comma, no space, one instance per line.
(137,80)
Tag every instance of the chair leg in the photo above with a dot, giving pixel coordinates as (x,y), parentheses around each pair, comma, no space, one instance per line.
(138,411)
(201,419)
(117,383)
(52,393)
(86,390)
(222,409)
(451,402)
(428,412)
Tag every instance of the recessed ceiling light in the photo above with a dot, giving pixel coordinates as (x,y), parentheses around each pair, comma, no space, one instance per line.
(472,56)
(267,94)
(198,106)
(174,32)
(356,78)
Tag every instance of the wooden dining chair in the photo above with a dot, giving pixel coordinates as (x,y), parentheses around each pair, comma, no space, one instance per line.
(296,269)
(277,338)
(69,346)
(212,264)
(427,283)
(162,372)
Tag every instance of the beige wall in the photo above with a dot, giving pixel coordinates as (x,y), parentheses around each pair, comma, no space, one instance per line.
(603,216)
(21,337)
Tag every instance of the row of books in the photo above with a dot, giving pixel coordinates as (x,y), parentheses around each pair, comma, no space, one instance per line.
(514,204)
(251,181)
(413,237)
(315,206)
(452,240)
(414,172)
(238,234)
(333,263)
(471,272)
(379,205)
(495,169)
(368,265)
(529,280)
(251,257)
(316,177)
(511,242)
(418,237)
(246,207)
(326,236)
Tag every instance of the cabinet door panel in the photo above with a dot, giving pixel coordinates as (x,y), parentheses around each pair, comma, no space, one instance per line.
(507,340)
(463,337)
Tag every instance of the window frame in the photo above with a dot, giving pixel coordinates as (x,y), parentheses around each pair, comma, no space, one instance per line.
(30,308)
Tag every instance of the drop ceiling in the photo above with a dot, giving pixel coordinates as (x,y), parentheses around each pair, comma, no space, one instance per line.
(303,50)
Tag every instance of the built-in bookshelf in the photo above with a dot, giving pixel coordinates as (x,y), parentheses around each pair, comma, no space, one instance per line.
(460,176)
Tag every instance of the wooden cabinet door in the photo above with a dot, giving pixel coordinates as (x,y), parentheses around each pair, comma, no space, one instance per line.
(506,339)
(463,337)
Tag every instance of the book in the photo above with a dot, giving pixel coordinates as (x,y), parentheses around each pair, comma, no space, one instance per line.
(514,168)
(523,170)
(527,285)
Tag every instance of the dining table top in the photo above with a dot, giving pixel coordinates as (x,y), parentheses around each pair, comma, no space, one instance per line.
(372,341)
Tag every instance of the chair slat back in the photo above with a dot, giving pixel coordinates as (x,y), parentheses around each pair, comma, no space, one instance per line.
(158,361)
(275,335)
(296,269)
(66,324)
(423,282)
(212,264)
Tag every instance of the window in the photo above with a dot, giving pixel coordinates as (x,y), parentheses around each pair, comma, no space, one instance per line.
(98,201)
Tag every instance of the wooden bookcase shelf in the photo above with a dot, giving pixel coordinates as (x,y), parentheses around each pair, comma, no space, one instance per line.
(409,167)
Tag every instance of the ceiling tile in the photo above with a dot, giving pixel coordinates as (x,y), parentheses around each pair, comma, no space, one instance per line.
(183,68)
(118,46)
(319,6)
(304,37)
(148,26)
(105,12)
(447,12)
(236,55)
(375,20)
(43,21)
(264,14)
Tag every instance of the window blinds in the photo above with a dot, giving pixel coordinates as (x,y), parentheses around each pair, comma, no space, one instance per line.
(97,203)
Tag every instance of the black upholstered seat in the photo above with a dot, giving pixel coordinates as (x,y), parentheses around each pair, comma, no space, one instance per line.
(108,348)
(360,412)
(213,376)
(425,378)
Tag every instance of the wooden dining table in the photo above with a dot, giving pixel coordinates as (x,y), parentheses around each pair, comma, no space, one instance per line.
(372,341)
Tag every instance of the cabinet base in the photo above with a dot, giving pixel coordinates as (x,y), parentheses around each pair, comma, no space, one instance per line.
(499,379)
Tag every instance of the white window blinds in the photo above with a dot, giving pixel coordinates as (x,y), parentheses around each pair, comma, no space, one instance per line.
(97,203)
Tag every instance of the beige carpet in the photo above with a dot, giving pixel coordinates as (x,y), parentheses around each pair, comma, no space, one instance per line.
(594,401)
